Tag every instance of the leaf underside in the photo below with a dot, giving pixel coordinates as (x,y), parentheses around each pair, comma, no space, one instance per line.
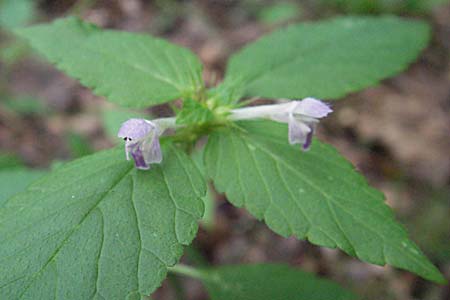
(327,59)
(315,195)
(130,69)
(98,228)
(268,282)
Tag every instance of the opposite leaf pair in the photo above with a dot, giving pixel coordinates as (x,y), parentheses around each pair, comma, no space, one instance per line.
(97,228)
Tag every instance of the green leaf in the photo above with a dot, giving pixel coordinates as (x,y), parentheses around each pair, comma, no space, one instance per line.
(13,181)
(315,195)
(268,282)
(97,228)
(130,69)
(194,112)
(209,199)
(327,59)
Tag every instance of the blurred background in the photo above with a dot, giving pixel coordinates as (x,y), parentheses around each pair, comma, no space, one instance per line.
(397,133)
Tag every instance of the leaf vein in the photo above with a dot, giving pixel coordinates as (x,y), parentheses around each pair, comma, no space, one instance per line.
(138,229)
(272,203)
(55,253)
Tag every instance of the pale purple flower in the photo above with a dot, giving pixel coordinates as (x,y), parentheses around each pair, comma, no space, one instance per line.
(302,118)
(142,142)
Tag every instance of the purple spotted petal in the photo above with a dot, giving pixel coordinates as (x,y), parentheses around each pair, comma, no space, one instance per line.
(136,129)
(312,108)
(308,141)
(138,157)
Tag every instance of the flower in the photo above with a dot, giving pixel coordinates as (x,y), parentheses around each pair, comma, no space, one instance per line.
(302,118)
(142,142)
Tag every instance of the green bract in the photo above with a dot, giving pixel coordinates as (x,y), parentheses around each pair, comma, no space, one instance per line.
(193,112)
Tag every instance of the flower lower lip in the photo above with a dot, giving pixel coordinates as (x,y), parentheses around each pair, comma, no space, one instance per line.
(139,160)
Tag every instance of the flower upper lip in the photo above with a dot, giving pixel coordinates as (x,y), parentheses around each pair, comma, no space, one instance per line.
(302,118)
(136,129)
(308,109)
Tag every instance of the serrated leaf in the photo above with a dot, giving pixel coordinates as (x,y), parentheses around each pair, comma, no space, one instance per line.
(315,195)
(327,59)
(97,228)
(130,69)
(209,200)
(268,282)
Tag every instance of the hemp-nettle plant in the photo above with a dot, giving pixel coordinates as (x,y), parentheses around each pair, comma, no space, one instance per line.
(103,227)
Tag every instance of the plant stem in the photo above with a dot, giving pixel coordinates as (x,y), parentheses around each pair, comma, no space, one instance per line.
(186,271)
